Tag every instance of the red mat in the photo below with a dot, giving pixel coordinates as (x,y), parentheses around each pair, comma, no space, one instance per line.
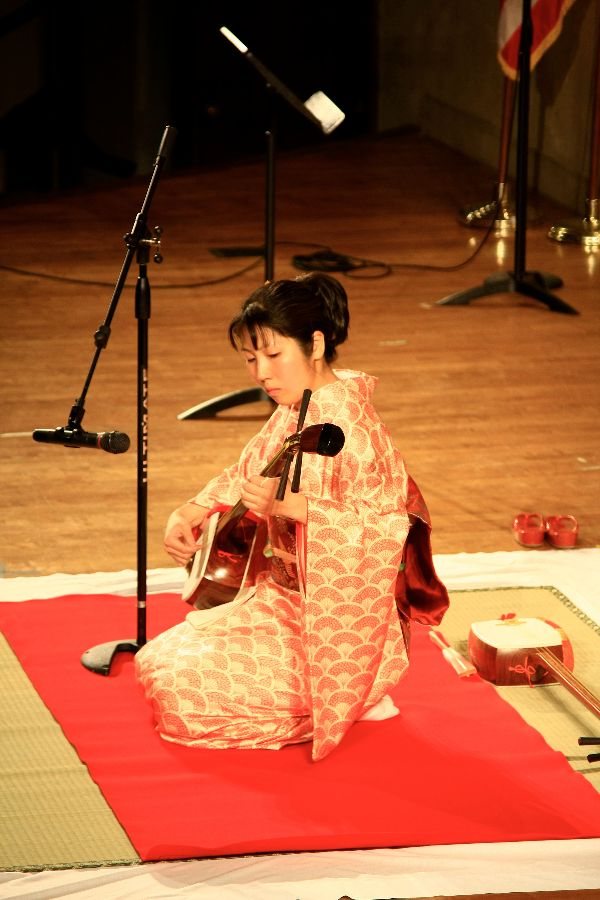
(457,766)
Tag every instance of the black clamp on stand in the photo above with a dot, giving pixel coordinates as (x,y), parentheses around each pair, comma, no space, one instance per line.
(536,285)
(323,113)
(140,242)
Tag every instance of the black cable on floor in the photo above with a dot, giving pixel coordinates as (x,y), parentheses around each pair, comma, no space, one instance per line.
(324,259)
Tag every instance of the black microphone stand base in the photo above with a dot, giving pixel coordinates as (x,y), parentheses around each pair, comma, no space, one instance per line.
(233,252)
(531,284)
(210,408)
(99,658)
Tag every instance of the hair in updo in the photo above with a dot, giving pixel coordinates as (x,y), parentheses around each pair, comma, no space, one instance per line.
(295,308)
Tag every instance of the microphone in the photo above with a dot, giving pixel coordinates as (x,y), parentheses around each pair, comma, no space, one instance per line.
(111,441)
(326,439)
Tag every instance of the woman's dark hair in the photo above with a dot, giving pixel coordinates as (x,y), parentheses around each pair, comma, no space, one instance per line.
(296,308)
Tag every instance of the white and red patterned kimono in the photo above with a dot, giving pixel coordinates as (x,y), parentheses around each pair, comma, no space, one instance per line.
(290,661)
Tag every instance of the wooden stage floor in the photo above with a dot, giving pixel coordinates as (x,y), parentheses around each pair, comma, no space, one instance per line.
(494,404)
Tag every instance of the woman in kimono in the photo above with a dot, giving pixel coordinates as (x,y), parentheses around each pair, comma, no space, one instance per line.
(314,642)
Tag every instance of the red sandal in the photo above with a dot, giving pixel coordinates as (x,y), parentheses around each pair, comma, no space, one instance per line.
(562,531)
(529,529)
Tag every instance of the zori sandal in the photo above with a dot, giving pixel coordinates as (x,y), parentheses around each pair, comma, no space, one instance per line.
(562,531)
(529,529)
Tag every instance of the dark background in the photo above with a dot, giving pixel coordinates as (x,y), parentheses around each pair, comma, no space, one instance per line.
(109,76)
(87,88)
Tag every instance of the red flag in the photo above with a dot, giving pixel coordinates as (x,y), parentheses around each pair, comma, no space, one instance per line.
(546,18)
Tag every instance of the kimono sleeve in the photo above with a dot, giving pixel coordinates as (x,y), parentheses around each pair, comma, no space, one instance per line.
(353,544)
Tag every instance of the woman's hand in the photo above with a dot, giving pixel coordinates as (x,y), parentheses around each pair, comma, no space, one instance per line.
(179,540)
(258,496)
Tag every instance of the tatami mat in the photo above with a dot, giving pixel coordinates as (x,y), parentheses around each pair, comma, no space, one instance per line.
(52,815)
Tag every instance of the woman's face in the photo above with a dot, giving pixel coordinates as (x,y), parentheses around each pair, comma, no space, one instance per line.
(280,366)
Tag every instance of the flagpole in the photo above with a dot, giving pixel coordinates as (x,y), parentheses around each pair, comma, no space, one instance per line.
(587,232)
(534,285)
(497,212)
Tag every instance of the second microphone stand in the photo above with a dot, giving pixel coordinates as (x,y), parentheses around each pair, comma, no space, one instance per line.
(319,110)
(210,408)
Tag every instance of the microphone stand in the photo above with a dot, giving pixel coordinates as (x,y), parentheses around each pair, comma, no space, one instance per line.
(319,110)
(139,241)
(210,408)
(530,284)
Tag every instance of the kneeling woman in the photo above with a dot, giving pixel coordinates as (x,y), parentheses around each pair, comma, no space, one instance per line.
(313,642)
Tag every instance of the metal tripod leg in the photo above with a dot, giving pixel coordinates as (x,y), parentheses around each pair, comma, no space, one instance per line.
(225,401)
(530,284)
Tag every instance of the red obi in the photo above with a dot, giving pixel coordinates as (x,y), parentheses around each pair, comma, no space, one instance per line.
(420,595)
